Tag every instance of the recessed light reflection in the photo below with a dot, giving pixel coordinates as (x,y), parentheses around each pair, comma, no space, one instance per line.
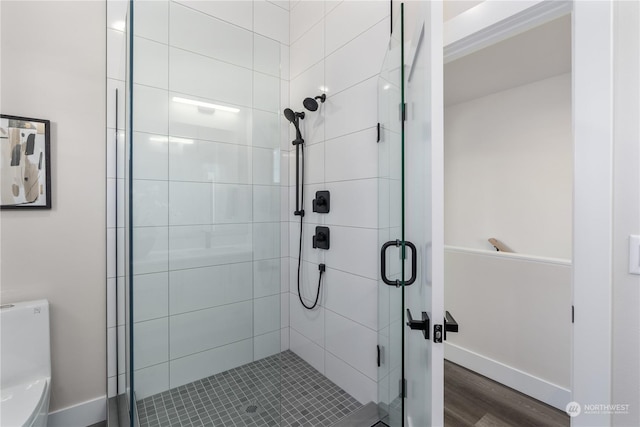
(205,104)
(170,139)
(119,25)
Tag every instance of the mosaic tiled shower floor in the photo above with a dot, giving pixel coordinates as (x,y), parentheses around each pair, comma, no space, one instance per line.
(249,395)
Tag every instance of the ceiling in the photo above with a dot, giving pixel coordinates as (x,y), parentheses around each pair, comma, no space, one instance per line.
(537,54)
(453,8)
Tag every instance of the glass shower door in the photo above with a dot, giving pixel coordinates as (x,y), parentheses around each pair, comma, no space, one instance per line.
(410,314)
(390,193)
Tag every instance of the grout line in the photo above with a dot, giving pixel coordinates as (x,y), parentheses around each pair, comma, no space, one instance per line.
(308,30)
(353,367)
(342,271)
(217,18)
(212,348)
(276,4)
(358,35)
(176,92)
(213,141)
(293,77)
(168,165)
(324,172)
(273,186)
(202,267)
(219,224)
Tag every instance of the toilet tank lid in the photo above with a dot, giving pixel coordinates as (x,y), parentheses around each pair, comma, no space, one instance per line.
(23,304)
(19,404)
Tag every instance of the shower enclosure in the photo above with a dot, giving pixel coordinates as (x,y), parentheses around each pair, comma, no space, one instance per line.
(209,217)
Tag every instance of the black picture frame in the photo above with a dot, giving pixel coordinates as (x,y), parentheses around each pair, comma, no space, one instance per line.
(25,163)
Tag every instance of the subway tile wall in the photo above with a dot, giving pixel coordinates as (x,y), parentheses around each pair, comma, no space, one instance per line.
(338,47)
(335,47)
(207,216)
(210,188)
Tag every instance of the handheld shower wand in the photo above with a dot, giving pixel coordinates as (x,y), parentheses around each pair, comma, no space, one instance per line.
(294,118)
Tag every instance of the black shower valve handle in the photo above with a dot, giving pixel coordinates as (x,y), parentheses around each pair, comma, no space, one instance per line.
(321,204)
(321,240)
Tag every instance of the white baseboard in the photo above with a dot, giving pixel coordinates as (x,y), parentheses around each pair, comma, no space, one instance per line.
(81,415)
(528,384)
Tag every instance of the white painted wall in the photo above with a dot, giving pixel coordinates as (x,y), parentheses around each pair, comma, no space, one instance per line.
(515,320)
(50,72)
(626,211)
(338,48)
(115,260)
(508,169)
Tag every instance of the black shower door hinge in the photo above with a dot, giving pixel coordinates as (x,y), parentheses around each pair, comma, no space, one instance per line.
(403,388)
(403,112)
(378,130)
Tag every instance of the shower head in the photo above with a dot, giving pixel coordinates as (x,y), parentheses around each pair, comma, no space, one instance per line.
(289,114)
(294,118)
(311,104)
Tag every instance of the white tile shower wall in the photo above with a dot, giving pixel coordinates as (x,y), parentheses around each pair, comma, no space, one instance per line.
(338,48)
(201,263)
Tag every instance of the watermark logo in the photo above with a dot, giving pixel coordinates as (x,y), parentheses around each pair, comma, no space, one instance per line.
(573,409)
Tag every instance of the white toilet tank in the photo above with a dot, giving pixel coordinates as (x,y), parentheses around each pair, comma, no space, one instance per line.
(25,364)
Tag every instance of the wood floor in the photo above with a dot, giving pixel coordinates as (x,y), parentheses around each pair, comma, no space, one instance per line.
(473,400)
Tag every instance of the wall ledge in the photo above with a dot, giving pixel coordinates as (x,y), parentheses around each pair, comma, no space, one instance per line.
(80,415)
(508,255)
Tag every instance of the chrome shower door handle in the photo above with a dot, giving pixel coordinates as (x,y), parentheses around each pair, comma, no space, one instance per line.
(383,263)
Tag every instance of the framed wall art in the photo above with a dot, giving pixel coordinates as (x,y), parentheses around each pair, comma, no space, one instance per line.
(25,163)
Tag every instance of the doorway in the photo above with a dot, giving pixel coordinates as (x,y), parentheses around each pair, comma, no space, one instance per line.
(508,212)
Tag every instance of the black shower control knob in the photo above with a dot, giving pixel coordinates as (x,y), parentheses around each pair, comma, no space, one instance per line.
(321,240)
(321,204)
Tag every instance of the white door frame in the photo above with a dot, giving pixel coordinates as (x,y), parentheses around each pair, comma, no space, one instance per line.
(592,74)
(593,203)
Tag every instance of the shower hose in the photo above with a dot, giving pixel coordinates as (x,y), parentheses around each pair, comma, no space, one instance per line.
(321,267)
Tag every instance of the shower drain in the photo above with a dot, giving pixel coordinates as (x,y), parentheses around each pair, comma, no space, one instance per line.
(250,409)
